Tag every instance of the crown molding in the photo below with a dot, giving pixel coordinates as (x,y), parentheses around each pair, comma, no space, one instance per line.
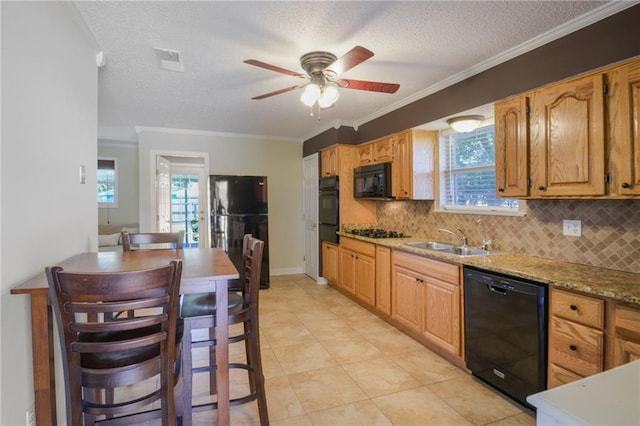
(569,27)
(142,129)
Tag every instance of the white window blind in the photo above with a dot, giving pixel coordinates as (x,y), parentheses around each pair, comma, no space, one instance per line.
(467,173)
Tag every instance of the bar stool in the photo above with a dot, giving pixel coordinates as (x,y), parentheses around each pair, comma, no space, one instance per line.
(198,312)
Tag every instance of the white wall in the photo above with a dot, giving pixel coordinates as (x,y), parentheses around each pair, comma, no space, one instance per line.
(280,161)
(127,210)
(49,122)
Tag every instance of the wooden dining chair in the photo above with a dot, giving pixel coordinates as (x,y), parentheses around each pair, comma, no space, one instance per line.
(198,312)
(152,240)
(108,356)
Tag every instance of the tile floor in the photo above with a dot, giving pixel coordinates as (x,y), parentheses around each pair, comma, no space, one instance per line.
(328,361)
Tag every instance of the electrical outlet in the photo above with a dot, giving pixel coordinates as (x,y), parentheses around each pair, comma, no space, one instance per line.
(572,228)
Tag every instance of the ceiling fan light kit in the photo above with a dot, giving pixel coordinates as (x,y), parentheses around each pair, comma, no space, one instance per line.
(321,68)
(465,123)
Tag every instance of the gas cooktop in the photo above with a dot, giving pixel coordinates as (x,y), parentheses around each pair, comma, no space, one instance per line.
(378,233)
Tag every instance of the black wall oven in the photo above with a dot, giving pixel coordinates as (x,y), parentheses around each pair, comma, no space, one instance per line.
(329,209)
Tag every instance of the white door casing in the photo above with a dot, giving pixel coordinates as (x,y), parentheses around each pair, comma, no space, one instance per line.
(310,219)
(163,194)
(195,159)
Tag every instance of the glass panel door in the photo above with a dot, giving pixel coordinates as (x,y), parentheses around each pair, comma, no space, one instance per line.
(185,207)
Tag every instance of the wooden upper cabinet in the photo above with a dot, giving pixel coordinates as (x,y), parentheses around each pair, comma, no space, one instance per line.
(413,165)
(365,154)
(329,165)
(512,147)
(383,150)
(624,137)
(379,151)
(568,138)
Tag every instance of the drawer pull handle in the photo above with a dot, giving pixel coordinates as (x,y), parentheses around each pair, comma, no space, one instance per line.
(573,307)
(573,347)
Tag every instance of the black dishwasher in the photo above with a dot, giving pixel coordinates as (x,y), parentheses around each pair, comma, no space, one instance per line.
(506,332)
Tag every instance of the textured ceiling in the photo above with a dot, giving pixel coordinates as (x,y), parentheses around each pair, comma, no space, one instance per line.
(421,45)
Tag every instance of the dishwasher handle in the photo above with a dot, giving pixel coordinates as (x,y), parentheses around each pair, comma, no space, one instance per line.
(499,290)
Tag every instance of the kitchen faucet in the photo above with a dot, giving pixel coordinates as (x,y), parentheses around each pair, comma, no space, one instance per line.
(462,235)
(485,242)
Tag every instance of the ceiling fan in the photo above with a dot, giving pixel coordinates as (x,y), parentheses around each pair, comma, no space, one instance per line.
(322,69)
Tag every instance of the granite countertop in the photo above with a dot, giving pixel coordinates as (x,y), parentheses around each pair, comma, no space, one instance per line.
(617,285)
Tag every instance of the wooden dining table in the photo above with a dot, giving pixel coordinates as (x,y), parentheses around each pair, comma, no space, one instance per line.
(204,270)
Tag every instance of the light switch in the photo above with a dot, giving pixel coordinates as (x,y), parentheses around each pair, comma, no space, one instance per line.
(82,175)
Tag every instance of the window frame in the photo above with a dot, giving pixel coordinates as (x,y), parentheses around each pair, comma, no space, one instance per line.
(114,203)
(479,210)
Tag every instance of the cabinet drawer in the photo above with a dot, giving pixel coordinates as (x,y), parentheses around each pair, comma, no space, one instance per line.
(358,246)
(559,376)
(575,347)
(628,319)
(433,268)
(578,308)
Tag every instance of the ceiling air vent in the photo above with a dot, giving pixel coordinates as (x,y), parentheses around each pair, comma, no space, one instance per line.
(170,60)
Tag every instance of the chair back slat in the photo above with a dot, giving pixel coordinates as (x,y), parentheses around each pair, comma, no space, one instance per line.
(152,240)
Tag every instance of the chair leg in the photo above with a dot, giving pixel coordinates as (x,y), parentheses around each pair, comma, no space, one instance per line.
(187,378)
(256,379)
(213,388)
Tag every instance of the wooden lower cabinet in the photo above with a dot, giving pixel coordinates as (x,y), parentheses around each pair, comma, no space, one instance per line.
(576,337)
(383,279)
(330,262)
(627,335)
(426,299)
(357,264)
(441,317)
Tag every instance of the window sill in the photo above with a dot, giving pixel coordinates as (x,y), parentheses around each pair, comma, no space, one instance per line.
(488,211)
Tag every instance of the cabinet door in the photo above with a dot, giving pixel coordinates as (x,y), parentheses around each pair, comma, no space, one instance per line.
(347,270)
(407,297)
(365,154)
(402,179)
(365,278)
(624,104)
(329,162)
(627,350)
(330,262)
(441,319)
(568,138)
(383,279)
(512,147)
(383,150)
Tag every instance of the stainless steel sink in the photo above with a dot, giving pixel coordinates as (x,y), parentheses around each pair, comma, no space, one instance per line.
(448,248)
(431,245)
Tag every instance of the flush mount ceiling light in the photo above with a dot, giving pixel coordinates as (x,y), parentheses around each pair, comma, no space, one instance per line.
(465,123)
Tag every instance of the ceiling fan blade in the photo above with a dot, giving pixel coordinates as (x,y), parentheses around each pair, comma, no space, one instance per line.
(371,86)
(355,56)
(278,92)
(273,68)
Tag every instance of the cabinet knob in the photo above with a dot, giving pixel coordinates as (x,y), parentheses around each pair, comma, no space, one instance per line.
(500,189)
(541,188)
(625,185)
(573,347)
(573,307)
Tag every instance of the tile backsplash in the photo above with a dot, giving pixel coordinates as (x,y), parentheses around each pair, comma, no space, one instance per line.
(610,229)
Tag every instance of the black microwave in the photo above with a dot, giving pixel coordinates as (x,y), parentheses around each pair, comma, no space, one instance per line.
(373,182)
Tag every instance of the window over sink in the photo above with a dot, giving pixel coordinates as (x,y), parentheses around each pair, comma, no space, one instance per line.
(468,175)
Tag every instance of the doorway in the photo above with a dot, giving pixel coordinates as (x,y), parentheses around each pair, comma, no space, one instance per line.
(310,199)
(182,196)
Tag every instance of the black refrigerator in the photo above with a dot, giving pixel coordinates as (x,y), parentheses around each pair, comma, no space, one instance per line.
(238,207)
